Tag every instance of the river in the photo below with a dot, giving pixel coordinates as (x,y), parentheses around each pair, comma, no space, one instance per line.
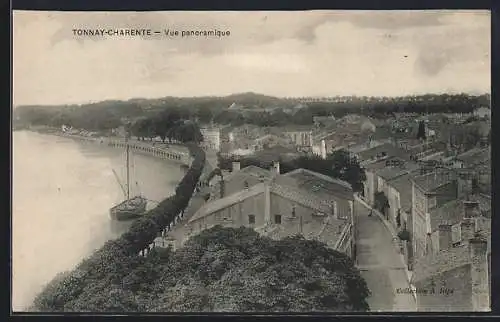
(62,192)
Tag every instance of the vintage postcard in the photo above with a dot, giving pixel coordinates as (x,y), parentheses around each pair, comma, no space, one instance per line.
(307,161)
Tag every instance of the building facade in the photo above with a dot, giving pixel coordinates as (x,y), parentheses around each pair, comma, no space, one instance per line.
(299,202)
(211,138)
(301,138)
(429,191)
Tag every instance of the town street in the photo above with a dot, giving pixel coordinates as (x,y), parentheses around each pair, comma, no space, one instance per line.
(380,265)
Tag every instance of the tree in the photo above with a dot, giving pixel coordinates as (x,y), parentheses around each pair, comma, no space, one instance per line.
(187,132)
(204,115)
(421,131)
(346,167)
(220,269)
(381,202)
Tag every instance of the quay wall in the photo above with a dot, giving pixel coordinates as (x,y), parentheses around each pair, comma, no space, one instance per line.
(161,152)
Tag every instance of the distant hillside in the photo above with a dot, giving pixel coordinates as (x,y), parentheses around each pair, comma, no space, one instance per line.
(234,109)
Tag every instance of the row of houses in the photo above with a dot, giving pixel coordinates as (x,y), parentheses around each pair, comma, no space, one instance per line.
(248,138)
(445,208)
(324,136)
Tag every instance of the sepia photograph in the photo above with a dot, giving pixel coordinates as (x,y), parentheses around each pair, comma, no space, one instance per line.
(334,161)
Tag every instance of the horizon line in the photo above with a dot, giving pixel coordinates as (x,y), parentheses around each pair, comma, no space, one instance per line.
(290,98)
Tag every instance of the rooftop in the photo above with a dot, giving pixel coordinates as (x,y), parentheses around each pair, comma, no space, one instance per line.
(233,181)
(431,181)
(305,187)
(255,171)
(378,164)
(289,188)
(212,206)
(453,212)
(445,260)
(387,149)
(314,181)
(436,145)
(475,156)
(391,172)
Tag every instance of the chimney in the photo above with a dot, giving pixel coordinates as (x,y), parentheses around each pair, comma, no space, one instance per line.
(276,167)
(267,202)
(444,236)
(236,166)
(464,186)
(478,252)
(471,209)
(467,229)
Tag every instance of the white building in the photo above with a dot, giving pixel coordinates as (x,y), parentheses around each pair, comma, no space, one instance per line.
(482,112)
(211,138)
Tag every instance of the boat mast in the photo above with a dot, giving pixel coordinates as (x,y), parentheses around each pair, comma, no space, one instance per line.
(128,170)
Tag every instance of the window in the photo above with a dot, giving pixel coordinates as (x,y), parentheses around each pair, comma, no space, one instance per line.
(432,202)
(251,219)
(277,219)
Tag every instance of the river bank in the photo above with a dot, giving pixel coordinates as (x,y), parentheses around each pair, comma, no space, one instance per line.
(171,152)
(62,192)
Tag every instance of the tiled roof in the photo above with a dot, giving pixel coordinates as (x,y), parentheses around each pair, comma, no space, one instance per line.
(378,164)
(296,187)
(234,180)
(286,187)
(445,260)
(475,156)
(388,148)
(452,212)
(431,181)
(213,206)
(392,172)
(255,171)
(310,180)
(437,145)
(366,145)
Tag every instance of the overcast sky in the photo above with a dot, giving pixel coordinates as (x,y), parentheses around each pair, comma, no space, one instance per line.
(314,53)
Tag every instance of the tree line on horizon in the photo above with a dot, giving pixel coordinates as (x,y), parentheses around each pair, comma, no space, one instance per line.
(107,115)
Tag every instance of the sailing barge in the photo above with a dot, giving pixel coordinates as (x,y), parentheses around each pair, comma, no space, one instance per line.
(131,207)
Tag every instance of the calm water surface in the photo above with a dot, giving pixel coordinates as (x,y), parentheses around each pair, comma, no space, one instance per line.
(62,192)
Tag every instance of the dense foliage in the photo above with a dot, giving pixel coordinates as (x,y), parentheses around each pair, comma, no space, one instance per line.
(339,165)
(421,130)
(104,272)
(226,269)
(171,124)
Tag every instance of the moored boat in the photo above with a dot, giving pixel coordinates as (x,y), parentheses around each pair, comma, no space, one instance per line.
(131,207)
